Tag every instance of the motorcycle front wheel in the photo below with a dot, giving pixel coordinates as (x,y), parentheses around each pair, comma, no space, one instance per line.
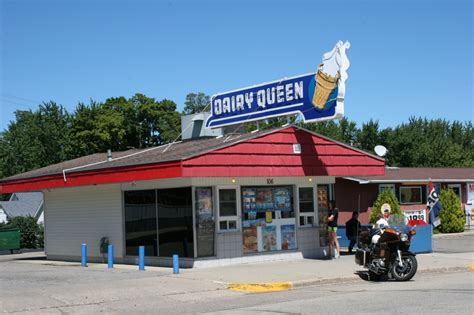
(407,270)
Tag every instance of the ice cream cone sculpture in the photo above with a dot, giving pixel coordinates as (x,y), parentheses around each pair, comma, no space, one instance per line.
(325,84)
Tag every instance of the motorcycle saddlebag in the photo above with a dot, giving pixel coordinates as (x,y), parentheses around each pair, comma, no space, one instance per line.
(360,257)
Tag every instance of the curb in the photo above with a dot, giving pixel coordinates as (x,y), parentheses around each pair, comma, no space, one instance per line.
(285,286)
(353,278)
(260,287)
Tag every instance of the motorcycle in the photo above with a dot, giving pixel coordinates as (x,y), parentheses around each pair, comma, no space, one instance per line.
(385,251)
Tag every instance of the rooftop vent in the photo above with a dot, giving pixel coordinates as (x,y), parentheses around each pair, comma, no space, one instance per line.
(193,127)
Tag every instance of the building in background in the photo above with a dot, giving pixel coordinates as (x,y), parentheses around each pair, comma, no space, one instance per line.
(410,186)
(22,204)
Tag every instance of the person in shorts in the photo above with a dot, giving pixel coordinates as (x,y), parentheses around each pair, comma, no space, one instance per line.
(332,229)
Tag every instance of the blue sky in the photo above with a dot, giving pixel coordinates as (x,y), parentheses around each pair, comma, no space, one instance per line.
(408,58)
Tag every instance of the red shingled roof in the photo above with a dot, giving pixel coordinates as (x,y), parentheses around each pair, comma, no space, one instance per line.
(264,153)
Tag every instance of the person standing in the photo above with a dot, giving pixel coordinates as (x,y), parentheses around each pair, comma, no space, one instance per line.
(333,215)
(352,230)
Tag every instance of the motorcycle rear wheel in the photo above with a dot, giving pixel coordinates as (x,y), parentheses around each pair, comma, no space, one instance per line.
(407,271)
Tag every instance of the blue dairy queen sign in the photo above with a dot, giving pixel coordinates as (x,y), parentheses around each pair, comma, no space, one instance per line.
(316,96)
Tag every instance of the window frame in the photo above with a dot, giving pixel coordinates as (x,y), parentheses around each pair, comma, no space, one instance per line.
(236,218)
(458,186)
(411,203)
(392,187)
(305,215)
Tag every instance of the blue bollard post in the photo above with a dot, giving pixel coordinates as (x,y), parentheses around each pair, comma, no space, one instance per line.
(110,256)
(175,264)
(84,255)
(141,258)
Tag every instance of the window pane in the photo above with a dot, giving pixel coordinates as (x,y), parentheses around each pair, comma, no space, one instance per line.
(232,225)
(310,220)
(223,225)
(306,207)
(306,194)
(302,220)
(410,194)
(227,202)
(175,222)
(140,222)
(306,199)
(227,195)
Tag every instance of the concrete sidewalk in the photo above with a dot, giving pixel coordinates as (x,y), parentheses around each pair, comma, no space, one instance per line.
(299,272)
(312,271)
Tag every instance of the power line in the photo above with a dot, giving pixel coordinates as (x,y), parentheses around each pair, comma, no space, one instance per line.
(20,98)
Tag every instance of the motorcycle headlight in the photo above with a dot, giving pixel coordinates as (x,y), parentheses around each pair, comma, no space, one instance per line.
(404,237)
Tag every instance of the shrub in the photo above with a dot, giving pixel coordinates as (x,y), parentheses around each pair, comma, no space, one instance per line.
(451,214)
(386,196)
(29,231)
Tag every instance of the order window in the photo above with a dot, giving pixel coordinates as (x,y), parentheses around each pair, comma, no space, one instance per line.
(306,203)
(228,210)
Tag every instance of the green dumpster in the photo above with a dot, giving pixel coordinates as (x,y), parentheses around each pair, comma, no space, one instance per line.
(9,239)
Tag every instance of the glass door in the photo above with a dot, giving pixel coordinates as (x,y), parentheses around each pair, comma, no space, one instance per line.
(205,224)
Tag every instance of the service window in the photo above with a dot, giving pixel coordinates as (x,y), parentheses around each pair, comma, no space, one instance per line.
(306,203)
(410,195)
(228,217)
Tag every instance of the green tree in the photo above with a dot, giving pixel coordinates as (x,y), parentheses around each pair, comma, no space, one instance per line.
(369,136)
(432,143)
(343,130)
(386,196)
(96,128)
(451,215)
(34,139)
(30,231)
(120,124)
(159,122)
(196,103)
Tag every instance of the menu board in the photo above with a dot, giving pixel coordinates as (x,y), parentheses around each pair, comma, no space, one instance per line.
(205,226)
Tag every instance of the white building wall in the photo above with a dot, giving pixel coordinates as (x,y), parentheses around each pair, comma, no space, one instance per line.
(83,215)
(3,216)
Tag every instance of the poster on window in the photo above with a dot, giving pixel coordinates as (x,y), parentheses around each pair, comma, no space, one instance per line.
(204,203)
(282,199)
(323,206)
(250,239)
(264,199)
(269,238)
(248,199)
(205,225)
(288,239)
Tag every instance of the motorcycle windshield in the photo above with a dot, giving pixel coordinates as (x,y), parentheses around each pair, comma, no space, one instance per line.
(399,222)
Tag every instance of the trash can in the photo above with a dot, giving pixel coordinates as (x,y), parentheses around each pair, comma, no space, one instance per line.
(9,239)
